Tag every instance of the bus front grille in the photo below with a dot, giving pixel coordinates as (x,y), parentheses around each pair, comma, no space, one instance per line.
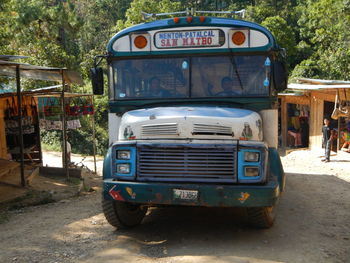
(187,163)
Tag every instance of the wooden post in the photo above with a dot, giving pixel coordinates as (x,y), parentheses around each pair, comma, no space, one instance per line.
(19,108)
(316,122)
(284,122)
(338,122)
(93,135)
(64,130)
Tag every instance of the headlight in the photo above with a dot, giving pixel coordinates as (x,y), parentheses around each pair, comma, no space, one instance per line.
(123,168)
(123,155)
(251,156)
(251,171)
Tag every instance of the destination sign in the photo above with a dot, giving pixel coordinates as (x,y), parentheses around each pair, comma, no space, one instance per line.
(189,39)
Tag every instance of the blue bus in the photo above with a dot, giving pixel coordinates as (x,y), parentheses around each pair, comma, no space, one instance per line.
(193,116)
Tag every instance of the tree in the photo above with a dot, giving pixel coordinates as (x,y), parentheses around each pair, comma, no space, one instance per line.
(324,26)
(133,14)
(283,33)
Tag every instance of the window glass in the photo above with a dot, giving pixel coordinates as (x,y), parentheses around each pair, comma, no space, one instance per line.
(151,78)
(230,76)
(211,76)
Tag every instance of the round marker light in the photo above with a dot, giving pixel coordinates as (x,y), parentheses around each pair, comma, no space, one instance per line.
(202,19)
(140,42)
(238,38)
(189,19)
(176,20)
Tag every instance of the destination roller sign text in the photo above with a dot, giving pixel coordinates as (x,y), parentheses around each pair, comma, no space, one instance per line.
(187,39)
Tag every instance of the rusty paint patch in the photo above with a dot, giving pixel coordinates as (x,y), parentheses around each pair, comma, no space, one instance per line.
(130,192)
(116,194)
(244,197)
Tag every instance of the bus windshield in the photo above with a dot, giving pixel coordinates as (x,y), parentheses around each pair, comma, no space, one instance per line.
(191,77)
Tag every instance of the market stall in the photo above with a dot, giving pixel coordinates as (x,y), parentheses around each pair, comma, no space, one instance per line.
(19,110)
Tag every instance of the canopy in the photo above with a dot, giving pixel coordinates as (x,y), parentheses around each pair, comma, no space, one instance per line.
(8,68)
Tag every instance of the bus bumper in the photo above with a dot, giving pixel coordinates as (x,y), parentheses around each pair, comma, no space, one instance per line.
(208,195)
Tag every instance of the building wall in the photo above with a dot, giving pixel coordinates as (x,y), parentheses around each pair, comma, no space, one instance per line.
(316,122)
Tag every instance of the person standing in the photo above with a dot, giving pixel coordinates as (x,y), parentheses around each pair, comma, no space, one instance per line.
(327,139)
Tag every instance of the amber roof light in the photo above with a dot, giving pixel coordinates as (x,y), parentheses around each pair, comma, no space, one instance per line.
(238,38)
(140,42)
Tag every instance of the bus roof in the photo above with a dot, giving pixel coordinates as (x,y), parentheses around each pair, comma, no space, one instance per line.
(209,22)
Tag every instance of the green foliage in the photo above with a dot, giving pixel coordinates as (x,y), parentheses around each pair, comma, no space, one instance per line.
(51,140)
(324,26)
(133,14)
(283,33)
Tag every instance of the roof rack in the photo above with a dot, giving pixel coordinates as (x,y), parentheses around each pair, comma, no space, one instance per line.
(191,12)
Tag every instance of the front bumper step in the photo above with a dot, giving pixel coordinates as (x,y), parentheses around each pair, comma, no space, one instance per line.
(208,195)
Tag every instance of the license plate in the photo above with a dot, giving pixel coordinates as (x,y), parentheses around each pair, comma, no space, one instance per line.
(188,195)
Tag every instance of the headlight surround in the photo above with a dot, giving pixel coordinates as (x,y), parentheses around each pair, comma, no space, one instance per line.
(251,156)
(252,164)
(251,171)
(123,168)
(123,154)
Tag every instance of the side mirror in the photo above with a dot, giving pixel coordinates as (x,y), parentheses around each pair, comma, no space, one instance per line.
(97,80)
(280,76)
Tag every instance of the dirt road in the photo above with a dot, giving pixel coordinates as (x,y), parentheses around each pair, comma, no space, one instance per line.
(313,225)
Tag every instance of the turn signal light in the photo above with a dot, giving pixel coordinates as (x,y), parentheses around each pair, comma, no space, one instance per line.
(140,42)
(238,38)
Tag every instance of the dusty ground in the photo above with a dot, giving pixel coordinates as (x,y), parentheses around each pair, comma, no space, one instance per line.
(313,225)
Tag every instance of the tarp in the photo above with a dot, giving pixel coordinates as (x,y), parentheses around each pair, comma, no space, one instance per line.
(8,68)
(297,86)
(322,81)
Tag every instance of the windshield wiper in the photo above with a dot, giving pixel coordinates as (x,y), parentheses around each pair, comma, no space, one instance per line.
(233,63)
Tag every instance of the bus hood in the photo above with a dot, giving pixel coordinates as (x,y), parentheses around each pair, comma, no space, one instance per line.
(191,123)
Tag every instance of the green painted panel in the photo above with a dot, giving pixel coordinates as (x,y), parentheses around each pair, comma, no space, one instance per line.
(209,195)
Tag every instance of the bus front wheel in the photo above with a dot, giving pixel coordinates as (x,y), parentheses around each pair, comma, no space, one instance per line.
(123,214)
(261,217)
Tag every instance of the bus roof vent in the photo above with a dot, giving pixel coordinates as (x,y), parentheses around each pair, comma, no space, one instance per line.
(192,12)
(159,129)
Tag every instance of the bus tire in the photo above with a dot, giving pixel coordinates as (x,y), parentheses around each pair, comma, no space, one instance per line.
(261,217)
(123,214)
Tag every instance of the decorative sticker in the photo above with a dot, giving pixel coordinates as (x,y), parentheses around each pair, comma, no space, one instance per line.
(128,133)
(130,192)
(247,132)
(116,194)
(244,197)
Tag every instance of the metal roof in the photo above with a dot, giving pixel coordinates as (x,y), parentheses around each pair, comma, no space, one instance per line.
(210,21)
(11,57)
(8,68)
(322,81)
(306,87)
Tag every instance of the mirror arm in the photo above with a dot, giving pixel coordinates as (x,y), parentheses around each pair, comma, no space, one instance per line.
(98,59)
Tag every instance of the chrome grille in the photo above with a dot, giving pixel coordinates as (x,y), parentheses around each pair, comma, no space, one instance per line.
(159,129)
(209,129)
(187,163)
